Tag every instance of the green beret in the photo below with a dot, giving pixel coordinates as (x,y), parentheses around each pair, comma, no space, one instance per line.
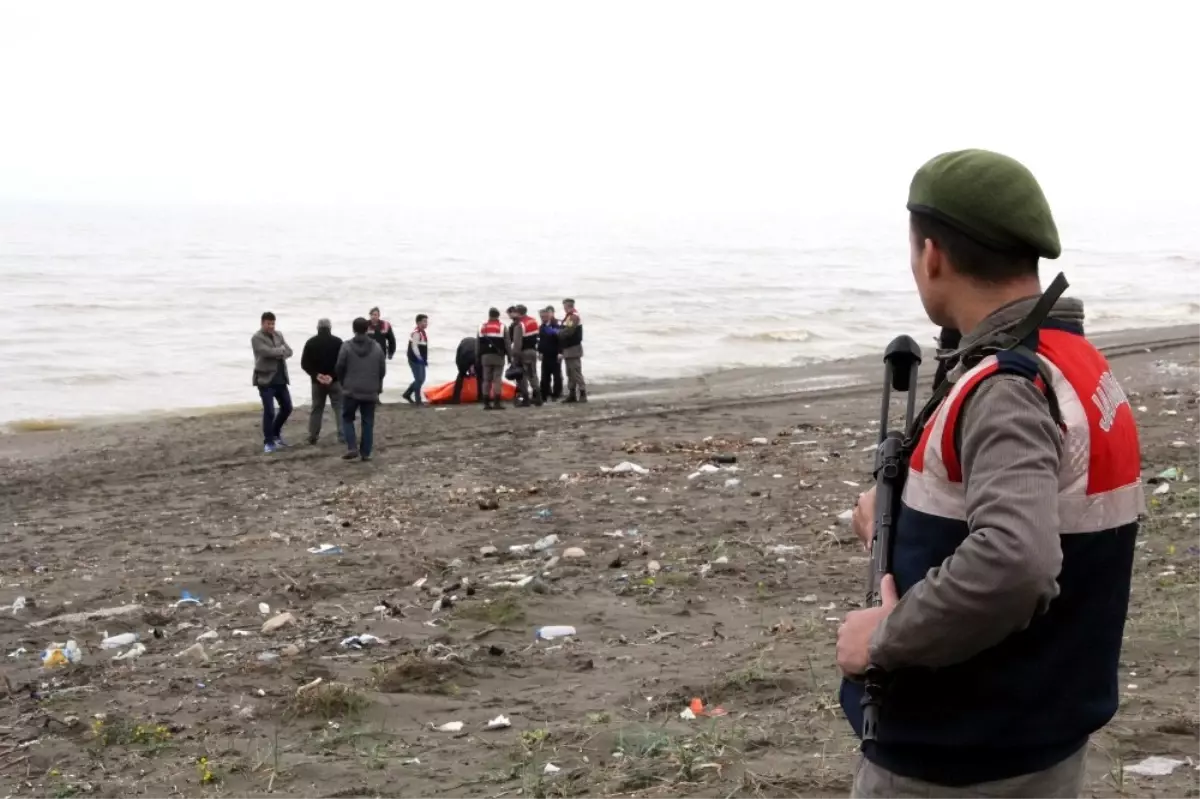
(990,197)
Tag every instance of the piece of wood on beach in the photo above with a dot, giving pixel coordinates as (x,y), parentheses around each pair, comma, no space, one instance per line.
(88,615)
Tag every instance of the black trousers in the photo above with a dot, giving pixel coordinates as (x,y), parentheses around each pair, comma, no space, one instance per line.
(552,376)
(464,370)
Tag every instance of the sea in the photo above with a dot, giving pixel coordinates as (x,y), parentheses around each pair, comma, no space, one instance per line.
(108,311)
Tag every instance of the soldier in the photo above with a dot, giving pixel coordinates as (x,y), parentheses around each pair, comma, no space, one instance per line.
(466,361)
(524,352)
(570,338)
(491,347)
(418,360)
(1001,624)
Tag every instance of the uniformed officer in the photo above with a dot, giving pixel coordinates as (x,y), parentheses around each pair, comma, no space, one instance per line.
(570,338)
(1001,624)
(491,348)
(525,352)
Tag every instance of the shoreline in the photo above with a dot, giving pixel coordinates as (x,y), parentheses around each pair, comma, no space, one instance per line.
(815,379)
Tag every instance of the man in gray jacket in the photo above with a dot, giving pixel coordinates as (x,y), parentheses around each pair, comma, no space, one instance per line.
(271,379)
(361,365)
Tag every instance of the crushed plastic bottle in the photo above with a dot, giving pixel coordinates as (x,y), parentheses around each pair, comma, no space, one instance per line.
(61,654)
(554,631)
(544,513)
(325,549)
(118,641)
(186,598)
(542,544)
(135,651)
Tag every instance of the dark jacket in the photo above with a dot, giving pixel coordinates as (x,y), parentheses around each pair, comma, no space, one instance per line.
(361,366)
(464,357)
(383,335)
(321,354)
(548,344)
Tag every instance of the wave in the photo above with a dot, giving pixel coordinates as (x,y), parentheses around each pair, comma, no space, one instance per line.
(776,336)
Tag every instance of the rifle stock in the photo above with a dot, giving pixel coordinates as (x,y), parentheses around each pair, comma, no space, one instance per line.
(901,360)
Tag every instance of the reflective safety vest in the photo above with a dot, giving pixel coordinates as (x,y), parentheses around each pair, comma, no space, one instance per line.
(419,338)
(1034,698)
(530,332)
(491,337)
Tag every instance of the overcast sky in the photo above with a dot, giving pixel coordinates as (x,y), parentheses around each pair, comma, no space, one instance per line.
(608,105)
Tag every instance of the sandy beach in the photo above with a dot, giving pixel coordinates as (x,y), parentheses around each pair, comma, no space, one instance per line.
(688,577)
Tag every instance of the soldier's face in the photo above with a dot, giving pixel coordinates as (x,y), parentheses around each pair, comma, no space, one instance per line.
(929,273)
(268,325)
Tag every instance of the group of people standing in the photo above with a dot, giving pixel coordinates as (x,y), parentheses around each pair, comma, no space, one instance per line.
(523,343)
(348,375)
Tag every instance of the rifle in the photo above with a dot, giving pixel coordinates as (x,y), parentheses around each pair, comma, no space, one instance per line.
(901,360)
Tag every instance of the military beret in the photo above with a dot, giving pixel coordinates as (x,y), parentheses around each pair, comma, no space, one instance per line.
(989,197)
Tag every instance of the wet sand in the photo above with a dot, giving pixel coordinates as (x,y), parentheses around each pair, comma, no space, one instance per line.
(726,586)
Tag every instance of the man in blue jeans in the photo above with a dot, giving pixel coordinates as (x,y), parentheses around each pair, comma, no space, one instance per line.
(418,359)
(271,379)
(361,365)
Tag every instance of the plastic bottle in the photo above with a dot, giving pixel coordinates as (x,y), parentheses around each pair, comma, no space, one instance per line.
(554,631)
(118,641)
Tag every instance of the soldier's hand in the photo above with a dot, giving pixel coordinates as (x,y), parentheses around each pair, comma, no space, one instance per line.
(854,636)
(863,520)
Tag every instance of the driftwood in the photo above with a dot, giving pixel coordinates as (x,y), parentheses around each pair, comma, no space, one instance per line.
(89,615)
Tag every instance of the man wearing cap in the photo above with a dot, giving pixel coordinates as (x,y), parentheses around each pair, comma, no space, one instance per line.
(319,362)
(570,339)
(1000,628)
(524,352)
(491,348)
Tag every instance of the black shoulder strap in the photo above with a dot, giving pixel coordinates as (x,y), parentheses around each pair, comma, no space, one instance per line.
(1009,339)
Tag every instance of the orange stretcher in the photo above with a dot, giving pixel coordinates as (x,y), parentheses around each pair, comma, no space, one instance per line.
(441,395)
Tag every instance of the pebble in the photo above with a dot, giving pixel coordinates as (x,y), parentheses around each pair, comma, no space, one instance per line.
(759,442)
(211,635)
(654,567)
(488,552)
(246,712)
(574,553)
(268,657)
(276,622)
(290,651)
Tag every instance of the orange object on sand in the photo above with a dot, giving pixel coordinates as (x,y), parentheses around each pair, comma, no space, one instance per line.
(697,706)
(441,395)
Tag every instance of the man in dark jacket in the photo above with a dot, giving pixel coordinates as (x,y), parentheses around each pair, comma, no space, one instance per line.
(361,366)
(319,361)
(380,331)
(549,350)
(468,366)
